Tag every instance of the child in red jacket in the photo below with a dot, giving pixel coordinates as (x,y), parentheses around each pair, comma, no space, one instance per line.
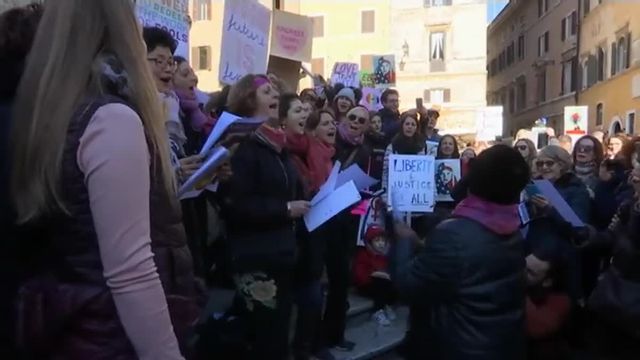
(371,276)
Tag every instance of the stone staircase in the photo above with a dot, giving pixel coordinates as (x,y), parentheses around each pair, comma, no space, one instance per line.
(372,341)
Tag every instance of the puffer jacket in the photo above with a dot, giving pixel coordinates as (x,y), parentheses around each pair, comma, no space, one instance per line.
(469,286)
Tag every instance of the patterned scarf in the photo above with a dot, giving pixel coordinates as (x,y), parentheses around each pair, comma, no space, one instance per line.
(585,170)
(111,77)
(274,138)
(343,131)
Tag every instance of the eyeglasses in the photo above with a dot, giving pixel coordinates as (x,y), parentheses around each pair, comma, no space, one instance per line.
(548,163)
(361,120)
(522,147)
(584,148)
(163,63)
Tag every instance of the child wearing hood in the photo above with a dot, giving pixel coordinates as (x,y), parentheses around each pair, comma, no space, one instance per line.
(371,275)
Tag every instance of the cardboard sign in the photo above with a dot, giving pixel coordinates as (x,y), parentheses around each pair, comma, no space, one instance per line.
(447,175)
(384,71)
(345,73)
(286,70)
(171,16)
(245,40)
(489,123)
(371,98)
(367,79)
(373,215)
(291,36)
(576,122)
(432,147)
(411,185)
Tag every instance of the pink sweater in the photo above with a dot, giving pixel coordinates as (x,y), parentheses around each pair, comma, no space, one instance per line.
(114,158)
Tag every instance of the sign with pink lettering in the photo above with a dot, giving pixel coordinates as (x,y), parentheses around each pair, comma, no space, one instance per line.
(170,15)
(245,40)
(291,36)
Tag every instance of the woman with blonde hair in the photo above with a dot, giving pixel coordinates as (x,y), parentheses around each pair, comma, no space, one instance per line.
(93,185)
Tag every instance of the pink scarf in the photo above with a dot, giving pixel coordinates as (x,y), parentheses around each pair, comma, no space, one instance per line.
(500,219)
(343,131)
(191,107)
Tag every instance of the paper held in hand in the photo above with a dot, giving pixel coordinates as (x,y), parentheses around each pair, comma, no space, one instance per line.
(202,178)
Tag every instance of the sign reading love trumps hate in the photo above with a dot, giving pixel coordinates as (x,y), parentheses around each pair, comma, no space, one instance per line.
(411,182)
(245,40)
(346,74)
(170,15)
(291,36)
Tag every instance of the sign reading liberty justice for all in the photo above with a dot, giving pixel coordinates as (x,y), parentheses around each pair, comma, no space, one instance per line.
(171,15)
(411,182)
(245,40)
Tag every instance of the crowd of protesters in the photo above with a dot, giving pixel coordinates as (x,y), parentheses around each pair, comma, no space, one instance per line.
(101,123)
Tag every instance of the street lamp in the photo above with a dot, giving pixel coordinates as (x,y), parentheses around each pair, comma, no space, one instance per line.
(405,49)
(401,64)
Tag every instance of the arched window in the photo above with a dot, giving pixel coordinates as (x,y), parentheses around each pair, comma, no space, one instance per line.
(622,54)
(601,61)
(599,114)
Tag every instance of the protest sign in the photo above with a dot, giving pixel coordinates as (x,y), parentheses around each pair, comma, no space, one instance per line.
(432,147)
(245,40)
(488,123)
(170,15)
(447,175)
(576,121)
(345,73)
(291,36)
(384,71)
(366,79)
(288,71)
(371,98)
(373,215)
(411,185)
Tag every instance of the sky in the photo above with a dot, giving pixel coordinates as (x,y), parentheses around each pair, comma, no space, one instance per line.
(494,7)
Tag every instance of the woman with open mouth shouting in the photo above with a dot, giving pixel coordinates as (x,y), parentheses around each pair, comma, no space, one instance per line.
(344,101)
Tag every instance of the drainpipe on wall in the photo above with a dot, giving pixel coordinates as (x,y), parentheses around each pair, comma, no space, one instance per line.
(579,31)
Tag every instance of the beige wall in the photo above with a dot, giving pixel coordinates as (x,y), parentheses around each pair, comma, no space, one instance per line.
(521,18)
(603,26)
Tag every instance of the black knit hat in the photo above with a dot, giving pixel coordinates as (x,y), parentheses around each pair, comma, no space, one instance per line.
(498,175)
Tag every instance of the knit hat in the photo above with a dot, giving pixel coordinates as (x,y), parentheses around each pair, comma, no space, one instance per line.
(348,93)
(498,175)
(373,231)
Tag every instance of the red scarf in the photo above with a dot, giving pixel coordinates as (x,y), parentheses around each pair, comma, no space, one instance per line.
(313,159)
(274,138)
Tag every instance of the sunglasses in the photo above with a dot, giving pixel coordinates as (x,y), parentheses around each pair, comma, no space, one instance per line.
(585,148)
(361,120)
(522,147)
(549,163)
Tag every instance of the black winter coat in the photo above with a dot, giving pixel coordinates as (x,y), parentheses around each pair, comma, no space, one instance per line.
(470,284)
(255,199)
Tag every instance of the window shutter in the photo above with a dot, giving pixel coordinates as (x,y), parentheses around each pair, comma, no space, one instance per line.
(447,95)
(546,42)
(614,58)
(208,58)
(574,74)
(209,6)
(318,26)
(563,33)
(426,96)
(592,70)
(366,63)
(195,58)
(368,21)
(627,61)
(196,10)
(574,23)
(317,66)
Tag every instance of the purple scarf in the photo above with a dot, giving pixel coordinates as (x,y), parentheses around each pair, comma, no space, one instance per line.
(343,130)
(500,219)
(191,107)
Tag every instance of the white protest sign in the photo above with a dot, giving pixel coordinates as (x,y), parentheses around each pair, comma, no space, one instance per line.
(488,123)
(374,215)
(371,98)
(411,182)
(345,73)
(576,121)
(170,15)
(447,175)
(245,40)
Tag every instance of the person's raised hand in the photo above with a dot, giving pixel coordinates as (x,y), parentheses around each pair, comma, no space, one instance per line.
(298,208)
(189,165)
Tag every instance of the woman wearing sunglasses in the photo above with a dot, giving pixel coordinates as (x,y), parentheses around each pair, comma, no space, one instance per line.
(548,231)
(527,149)
(587,156)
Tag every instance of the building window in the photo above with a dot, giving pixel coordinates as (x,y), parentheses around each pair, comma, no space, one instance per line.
(511,54)
(569,26)
(620,55)
(368,19)
(318,26)
(202,10)
(512,100)
(599,115)
(543,7)
(631,123)
(317,66)
(201,57)
(437,51)
(436,3)
(601,64)
(439,96)
(521,47)
(585,73)
(366,62)
(542,86)
(568,77)
(586,7)
(543,44)
(522,94)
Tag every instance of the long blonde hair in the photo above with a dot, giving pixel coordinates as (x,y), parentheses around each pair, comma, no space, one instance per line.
(59,74)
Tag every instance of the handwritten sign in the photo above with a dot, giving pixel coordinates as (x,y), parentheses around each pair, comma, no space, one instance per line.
(371,98)
(245,40)
(170,15)
(411,185)
(345,73)
(384,70)
(366,79)
(447,175)
(488,123)
(291,36)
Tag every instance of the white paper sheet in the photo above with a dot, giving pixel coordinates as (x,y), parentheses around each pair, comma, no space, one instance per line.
(215,159)
(327,188)
(225,120)
(557,201)
(359,178)
(330,206)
